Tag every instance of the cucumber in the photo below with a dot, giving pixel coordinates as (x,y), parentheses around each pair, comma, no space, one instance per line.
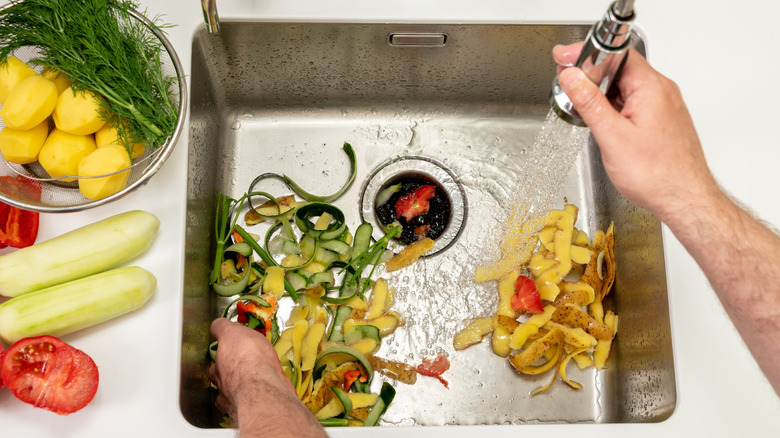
(386,396)
(77,304)
(337,328)
(337,246)
(348,351)
(346,402)
(297,280)
(362,240)
(85,251)
(359,332)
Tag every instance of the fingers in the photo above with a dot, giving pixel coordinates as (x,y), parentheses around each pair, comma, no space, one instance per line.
(567,55)
(218,327)
(587,98)
(213,374)
(635,73)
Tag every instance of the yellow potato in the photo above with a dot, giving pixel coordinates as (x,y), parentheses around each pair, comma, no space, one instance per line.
(409,255)
(573,316)
(309,346)
(102,161)
(472,333)
(62,152)
(78,112)
(108,135)
(274,279)
(22,147)
(60,79)
(29,103)
(377,300)
(11,74)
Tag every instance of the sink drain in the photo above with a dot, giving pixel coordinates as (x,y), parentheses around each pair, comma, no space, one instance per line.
(406,177)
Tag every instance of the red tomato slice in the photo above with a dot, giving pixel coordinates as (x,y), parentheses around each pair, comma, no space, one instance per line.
(1,360)
(50,374)
(526,297)
(435,368)
(415,203)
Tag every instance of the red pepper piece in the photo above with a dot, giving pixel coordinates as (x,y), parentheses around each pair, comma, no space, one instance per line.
(526,297)
(435,368)
(246,310)
(19,228)
(255,316)
(415,203)
(350,377)
(5,210)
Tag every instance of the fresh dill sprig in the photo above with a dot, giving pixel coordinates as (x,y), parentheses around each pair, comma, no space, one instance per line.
(101,48)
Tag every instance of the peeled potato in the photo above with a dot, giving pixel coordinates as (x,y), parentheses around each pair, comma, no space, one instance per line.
(23,146)
(78,112)
(62,152)
(29,103)
(60,79)
(11,74)
(104,160)
(108,135)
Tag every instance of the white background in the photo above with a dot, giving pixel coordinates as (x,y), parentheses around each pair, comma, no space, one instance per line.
(724,57)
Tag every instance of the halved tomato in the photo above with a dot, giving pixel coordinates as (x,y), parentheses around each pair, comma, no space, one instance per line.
(50,374)
(1,360)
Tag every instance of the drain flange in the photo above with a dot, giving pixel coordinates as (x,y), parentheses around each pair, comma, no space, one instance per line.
(416,168)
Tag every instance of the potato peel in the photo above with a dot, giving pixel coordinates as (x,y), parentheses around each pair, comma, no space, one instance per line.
(573,277)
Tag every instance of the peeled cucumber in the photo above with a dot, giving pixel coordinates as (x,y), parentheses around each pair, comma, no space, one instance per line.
(85,251)
(77,304)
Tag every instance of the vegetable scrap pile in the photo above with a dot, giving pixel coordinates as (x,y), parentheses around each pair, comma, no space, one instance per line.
(328,344)
(102,84)
(555,313)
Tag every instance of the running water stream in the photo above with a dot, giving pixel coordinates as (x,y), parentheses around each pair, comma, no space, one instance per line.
(439,295)
(543,174)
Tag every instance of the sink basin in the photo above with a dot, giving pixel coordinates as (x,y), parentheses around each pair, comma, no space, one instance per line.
(464,100)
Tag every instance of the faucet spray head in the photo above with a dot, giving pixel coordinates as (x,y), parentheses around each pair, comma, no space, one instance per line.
(601,58)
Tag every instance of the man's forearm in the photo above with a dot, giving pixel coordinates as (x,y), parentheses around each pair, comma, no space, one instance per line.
(741,259)
(275,412)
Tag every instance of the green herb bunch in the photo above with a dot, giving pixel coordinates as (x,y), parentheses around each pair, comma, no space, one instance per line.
(101,48)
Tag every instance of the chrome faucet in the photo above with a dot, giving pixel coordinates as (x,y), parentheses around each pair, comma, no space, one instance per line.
(602,56)
(210,15)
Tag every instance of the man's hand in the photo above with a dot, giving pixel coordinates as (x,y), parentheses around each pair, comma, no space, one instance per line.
(253,390)
(654,158)
(650,148)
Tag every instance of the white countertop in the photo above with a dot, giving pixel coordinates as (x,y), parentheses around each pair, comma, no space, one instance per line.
(723,56)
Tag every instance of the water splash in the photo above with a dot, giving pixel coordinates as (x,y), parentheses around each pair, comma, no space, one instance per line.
(438,296)
(548,163)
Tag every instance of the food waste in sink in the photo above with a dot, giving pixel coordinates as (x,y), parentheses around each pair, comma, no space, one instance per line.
(551,308)
(329,336)
(416,203)
(471,126)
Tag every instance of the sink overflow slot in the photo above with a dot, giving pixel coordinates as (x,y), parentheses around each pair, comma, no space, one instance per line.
(417,39)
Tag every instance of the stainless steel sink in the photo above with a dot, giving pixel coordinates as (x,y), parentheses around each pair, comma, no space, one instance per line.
(468,99)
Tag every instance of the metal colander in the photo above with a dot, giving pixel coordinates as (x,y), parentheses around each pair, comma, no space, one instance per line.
(57,194)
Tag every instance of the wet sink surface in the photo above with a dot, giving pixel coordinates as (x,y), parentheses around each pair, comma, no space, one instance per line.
(284,97)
